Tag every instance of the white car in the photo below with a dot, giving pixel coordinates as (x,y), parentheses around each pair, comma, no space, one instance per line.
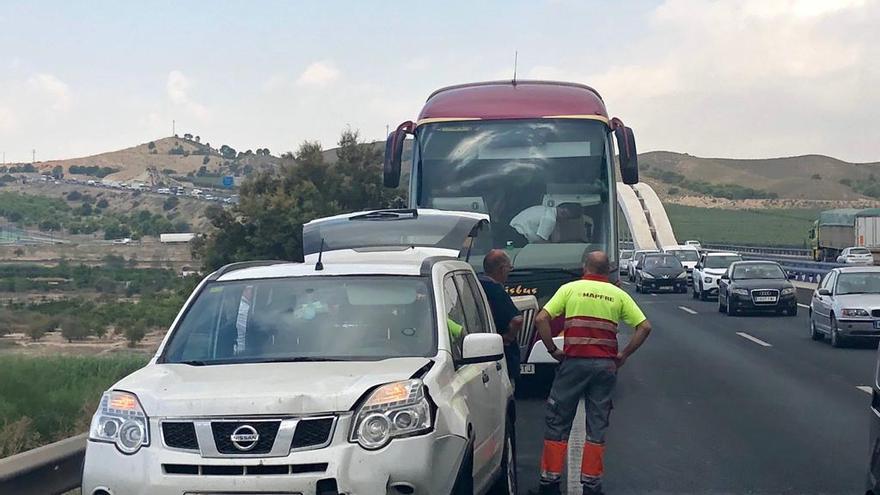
(708,271)
(372,376)
(688,255)
(625,257)
(694,244)
(856,256)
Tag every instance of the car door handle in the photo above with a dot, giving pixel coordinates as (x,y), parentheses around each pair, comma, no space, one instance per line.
(498,365)
(485,377)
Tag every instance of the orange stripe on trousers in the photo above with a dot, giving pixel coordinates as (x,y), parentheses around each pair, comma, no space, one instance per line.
(553,457)
(591,465)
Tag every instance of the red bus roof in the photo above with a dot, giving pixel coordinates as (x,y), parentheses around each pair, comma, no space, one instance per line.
(506,100)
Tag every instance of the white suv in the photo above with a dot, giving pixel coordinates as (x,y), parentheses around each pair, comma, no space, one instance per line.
(708,271)
(316,378)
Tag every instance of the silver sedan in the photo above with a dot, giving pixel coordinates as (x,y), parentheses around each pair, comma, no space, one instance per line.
(846,305)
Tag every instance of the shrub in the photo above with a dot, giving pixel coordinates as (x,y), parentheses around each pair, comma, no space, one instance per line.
(72,328)
(673,191)
(816,177)
(102,203)
(74,196)
(135,332)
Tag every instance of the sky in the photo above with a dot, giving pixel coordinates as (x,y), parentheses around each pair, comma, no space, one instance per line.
(738,79)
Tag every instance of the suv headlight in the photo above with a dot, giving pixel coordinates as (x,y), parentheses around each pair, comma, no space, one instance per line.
(121,420)
(708,280)
(740,292)
(682,275)
(854,312)
(647,275)
(787,291)
(397,409)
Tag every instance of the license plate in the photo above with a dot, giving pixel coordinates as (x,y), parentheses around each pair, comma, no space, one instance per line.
(527,369)
(765,299)
(877,324)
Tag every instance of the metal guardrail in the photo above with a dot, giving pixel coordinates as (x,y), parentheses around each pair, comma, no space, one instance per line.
(47,470)
(781,251)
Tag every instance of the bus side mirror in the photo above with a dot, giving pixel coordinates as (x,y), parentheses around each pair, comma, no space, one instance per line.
(394,154)
(629,159)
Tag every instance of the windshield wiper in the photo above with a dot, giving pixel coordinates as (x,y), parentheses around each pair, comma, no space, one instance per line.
(192,362)
(300,359)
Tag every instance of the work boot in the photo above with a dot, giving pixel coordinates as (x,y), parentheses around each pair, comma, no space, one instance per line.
(547,489)
(593,490)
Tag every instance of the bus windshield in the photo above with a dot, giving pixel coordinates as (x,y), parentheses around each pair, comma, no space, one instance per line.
(544,183)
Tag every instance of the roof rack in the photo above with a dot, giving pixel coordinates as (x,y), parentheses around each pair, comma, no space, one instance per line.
(241,265)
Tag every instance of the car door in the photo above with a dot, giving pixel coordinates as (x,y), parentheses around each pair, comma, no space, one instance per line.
(697,274)
(822,304)
(487,405)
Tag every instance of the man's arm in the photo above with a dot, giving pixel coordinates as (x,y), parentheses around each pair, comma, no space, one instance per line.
(641,333)
(542,321)
(513,329)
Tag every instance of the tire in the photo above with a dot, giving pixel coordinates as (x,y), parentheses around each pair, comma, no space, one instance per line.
(792,312)
(836,339)
(506,484)
(464,481)
(815,334)
(703,295)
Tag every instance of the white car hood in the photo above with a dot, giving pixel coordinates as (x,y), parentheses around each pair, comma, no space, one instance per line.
(168,390)
(380,255)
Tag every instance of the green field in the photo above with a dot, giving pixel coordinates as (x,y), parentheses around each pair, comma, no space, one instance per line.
(45,399)
(747,227)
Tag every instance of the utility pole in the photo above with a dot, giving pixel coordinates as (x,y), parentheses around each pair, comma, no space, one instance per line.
(33,157)
(387,130)
(173,127)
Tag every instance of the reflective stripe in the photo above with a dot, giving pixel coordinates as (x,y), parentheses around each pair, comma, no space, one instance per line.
(591,463)
(589,341)
(553,460)
(591,323)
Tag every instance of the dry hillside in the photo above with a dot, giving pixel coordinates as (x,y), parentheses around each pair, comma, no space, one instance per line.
(133,162)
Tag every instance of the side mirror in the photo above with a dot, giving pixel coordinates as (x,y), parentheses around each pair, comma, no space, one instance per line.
(629,159)
(482,348)
(725,277)
(823,292)
(394,154)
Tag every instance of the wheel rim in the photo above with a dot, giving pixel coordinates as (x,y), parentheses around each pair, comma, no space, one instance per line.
(511,469)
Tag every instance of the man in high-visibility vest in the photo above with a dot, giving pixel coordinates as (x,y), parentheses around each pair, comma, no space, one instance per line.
(588,367)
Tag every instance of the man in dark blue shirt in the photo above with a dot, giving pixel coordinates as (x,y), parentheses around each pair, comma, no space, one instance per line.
(508,322)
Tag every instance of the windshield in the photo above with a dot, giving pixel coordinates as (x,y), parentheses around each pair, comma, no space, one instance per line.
(662,262)
(859,251)
(858,283)
(721,261)
(308,318)
(685,254)
(388,228)
(544,183)
(758,271)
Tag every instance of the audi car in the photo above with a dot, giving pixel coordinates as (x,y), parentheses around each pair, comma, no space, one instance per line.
(661,271)
(756,286)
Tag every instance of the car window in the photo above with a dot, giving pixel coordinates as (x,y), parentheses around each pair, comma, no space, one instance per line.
(306,318)
(668,261)
(625,255)
(761,271)
(858,283)
(827,281)
(455,318)
(474,318)
(859,251)
(720,261)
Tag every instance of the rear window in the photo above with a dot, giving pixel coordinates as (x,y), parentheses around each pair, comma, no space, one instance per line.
(306,318)
(721,261)
(762,271)
(685,254)
(625,255)
(667,261)
(859,251)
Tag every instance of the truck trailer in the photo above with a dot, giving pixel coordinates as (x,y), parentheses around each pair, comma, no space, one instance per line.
(836,230)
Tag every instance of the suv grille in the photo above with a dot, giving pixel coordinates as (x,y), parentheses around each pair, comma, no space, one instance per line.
(180,436)
(312,433)
(223,430)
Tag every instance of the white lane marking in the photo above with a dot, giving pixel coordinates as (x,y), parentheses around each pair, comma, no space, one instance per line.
(653,295)
(753,339)
(687,310)
(805,306)
(865,389)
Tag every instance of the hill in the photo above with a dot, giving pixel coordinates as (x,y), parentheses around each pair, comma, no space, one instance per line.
(808,177)
(170,156)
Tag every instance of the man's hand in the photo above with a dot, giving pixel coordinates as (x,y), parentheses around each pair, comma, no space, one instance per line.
(621,358)
(558,354)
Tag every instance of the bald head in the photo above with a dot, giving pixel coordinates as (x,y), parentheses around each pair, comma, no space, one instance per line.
(496,264)
(597,263)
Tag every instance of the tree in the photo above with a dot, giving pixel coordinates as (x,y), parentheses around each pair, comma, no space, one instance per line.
(151,145)
(74,196)
(816,177)
(188,136)
(102,203)
(135,332)
(170,203)
(198,139)
(206,159)
(58,172)
(73,329)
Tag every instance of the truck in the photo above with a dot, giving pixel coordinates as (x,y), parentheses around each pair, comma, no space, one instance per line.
(539,159)
(836,230)
(176,237)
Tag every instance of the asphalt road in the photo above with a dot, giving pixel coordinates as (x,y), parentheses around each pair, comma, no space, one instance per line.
(718,404)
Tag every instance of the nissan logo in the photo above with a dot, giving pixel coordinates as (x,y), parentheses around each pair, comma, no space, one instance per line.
(244,437)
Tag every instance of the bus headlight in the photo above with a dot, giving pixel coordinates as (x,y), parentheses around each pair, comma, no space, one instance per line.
(120,420)
(398,409)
